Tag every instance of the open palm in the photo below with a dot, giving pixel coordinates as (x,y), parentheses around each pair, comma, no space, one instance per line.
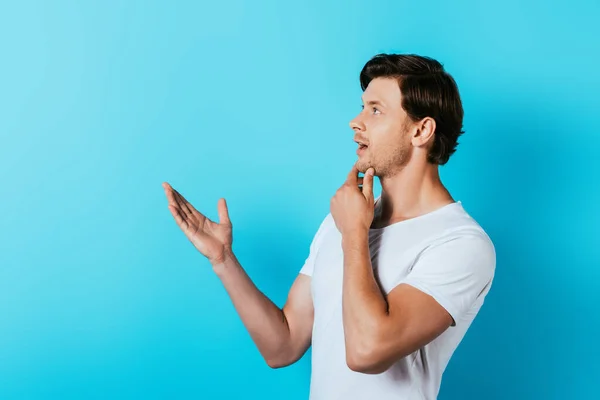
(211,239)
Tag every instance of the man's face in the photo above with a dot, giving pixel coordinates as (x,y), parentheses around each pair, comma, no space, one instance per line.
(383,126)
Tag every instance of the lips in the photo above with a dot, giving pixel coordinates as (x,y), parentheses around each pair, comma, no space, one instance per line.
(362,145)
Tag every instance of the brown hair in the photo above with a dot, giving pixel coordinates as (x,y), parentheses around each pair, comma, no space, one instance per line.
(427,91)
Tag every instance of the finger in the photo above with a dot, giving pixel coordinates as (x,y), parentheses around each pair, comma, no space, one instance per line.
(169,193)
(352,178)
(179,217)
(183,203)
(178,202)
(368,184)
(190,209)
(175,201)
(185,207)
(223,212)
(172,195)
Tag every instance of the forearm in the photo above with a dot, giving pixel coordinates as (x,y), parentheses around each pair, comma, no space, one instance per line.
(364,307)
(264,321)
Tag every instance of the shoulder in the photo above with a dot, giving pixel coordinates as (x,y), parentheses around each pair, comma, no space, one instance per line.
(461,243)
(467,256)
(458,224)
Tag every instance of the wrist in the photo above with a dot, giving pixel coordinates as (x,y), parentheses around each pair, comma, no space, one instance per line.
(224,262)
(355,237)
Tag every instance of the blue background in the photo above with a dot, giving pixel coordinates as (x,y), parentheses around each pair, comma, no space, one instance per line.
(102,296)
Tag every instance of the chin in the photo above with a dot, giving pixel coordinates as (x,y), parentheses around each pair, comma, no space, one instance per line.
(363,166)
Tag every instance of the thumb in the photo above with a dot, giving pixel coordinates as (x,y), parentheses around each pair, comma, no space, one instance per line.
(223,212)
(367,188)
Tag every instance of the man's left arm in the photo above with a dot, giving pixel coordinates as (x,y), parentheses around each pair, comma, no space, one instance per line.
(441,287)
(378,329)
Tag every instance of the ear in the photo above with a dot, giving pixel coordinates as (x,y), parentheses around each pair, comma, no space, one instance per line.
(425,130)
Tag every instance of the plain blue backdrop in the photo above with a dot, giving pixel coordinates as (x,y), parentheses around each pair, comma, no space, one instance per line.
(102,296)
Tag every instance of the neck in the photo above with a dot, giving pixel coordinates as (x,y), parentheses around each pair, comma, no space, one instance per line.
(414,190)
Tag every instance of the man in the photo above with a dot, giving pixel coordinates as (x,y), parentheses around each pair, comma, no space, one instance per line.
(390,285)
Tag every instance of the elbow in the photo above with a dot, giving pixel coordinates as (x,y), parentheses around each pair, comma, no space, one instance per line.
(365,359)
(372,356)
(276,363)
(365,365)
(280,360)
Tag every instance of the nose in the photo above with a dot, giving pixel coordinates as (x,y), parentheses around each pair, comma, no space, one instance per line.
(357,125)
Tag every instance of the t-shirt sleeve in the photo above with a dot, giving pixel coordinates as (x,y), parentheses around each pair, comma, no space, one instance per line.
(309,263)
(455,272)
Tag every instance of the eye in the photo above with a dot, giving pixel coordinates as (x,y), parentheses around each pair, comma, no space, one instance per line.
(375,109)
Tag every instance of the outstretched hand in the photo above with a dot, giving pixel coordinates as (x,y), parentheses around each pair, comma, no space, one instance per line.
(353,208)
(213,240)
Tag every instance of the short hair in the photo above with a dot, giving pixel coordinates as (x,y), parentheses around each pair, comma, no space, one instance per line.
(427,91)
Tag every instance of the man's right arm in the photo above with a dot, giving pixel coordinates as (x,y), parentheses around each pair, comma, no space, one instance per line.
(281,335)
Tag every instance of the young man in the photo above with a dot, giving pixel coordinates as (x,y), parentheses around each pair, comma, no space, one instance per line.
(390,285)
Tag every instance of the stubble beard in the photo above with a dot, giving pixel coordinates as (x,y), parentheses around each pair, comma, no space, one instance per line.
(386,164)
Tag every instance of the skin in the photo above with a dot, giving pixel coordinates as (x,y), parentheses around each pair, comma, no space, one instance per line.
(379,330)
(281,335)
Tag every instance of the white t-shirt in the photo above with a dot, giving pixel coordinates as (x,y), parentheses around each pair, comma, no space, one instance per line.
(444,253)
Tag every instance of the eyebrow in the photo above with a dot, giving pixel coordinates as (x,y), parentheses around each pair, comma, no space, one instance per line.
(375,102)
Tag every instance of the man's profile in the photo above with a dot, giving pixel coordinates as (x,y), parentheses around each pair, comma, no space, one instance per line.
(390,284)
